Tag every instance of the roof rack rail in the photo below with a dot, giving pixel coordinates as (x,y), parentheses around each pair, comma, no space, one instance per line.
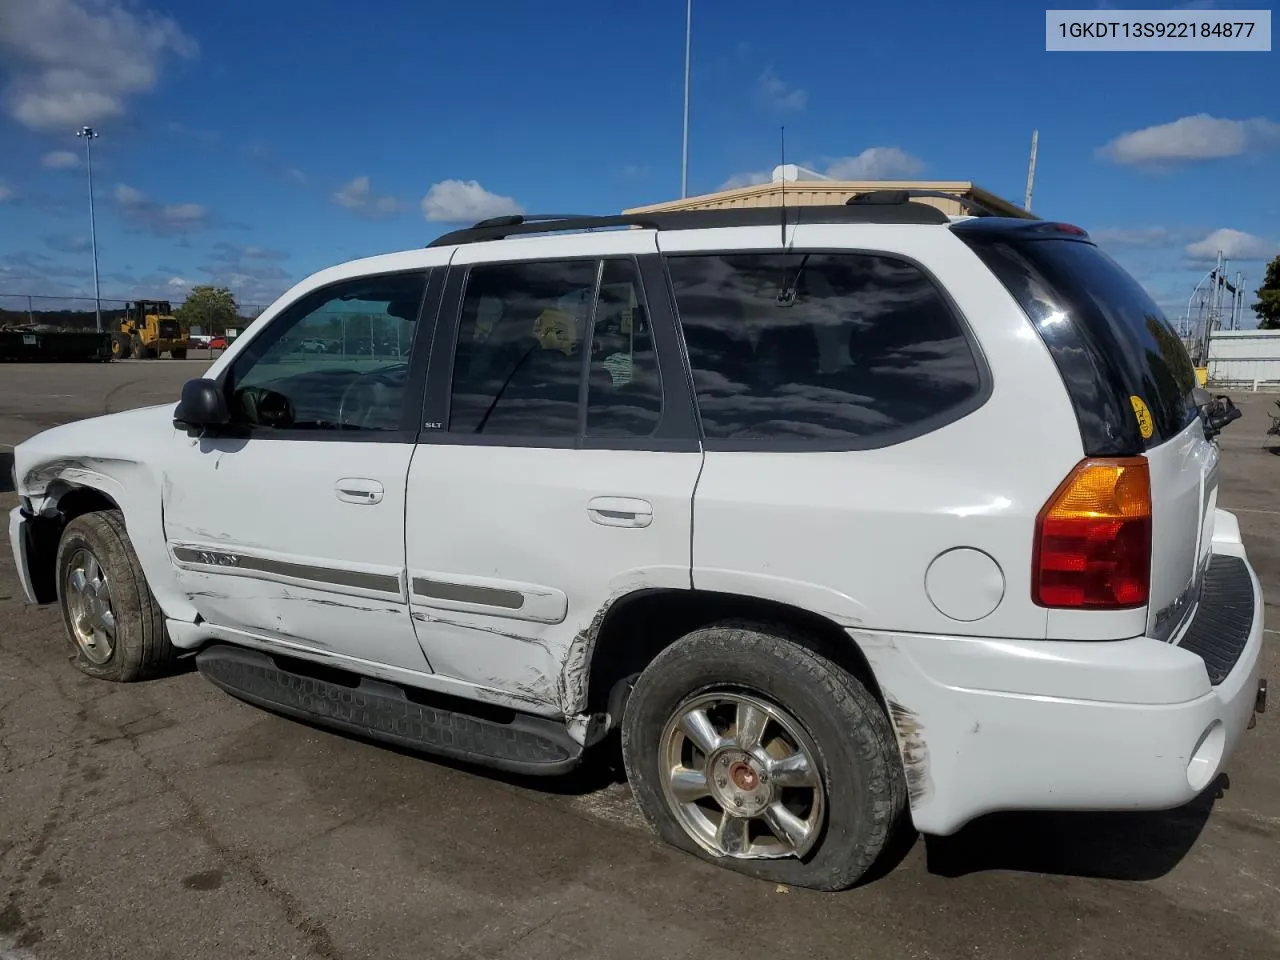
(893,197)
(499,228)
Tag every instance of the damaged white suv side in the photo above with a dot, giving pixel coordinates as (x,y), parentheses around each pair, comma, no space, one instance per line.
(881,519)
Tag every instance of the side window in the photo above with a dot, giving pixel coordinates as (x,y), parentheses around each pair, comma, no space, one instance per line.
(827,347)
(624,389)
(518,365)
(337,360)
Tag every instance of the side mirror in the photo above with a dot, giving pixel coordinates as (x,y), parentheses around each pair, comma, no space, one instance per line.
(202,406)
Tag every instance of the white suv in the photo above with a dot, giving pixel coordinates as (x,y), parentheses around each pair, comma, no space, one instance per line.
(847,518)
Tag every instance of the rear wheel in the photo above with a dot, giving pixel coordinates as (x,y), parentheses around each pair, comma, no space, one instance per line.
(114,626)
(178,353)
(747,749)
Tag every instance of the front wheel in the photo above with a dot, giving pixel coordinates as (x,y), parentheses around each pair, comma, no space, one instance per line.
(114,626)
(746,748)
(178,353)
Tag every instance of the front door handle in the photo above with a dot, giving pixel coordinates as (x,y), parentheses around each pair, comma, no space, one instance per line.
(620,511)
(358,490)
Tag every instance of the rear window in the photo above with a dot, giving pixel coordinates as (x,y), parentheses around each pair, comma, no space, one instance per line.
(850,350)
(1109,338)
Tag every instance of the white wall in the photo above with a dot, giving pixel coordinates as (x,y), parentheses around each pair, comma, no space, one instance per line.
(1243,356)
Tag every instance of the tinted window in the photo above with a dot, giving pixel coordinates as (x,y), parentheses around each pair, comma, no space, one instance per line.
(624,390)
(337,360)
(518,363)
(826,347)
(1107,336)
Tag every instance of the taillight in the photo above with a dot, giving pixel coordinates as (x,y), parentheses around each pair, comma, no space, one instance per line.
(1093,538)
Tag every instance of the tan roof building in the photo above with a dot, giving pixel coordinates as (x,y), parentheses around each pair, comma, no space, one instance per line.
(806,188)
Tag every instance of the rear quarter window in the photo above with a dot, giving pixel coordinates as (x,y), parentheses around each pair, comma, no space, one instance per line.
(841,350)
(1110,340)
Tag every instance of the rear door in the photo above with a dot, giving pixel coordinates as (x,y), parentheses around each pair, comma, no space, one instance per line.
(557,465)
(1131,380)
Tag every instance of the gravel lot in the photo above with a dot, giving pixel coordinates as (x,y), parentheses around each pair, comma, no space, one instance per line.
(167,820)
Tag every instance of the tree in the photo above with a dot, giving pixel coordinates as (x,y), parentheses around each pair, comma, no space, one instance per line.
(210,308)
(1268,306)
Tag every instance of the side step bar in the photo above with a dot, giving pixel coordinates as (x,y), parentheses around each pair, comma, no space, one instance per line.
(517,742)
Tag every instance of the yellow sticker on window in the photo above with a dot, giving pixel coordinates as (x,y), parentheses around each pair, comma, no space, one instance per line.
(1145,426)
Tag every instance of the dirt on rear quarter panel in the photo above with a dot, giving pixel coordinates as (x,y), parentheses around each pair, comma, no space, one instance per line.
(915,752)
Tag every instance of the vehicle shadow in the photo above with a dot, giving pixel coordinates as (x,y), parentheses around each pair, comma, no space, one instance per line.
(6,465)
(1109,846)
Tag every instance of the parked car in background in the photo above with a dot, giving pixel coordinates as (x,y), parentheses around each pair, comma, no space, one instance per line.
(848,519)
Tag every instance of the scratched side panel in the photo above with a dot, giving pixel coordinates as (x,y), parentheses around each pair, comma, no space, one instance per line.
(260,541)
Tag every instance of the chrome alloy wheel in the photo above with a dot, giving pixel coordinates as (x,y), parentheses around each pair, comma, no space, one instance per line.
(742,777)
(88,598)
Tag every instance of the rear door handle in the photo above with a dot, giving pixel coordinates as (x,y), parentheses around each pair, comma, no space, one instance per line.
(358,490)
(620,511)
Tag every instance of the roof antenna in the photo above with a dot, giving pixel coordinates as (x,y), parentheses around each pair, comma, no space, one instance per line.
(787,291)
(782,170)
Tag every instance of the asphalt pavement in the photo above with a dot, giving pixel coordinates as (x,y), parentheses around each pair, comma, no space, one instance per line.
(168,820)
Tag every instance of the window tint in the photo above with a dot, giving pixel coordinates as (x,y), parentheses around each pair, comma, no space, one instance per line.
(1108,337)
(518,363)
(827,347)
(624,390)
(338,360)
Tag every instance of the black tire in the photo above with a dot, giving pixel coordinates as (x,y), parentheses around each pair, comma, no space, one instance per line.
(140,647)
(857,752)
(120,347)
(178,353)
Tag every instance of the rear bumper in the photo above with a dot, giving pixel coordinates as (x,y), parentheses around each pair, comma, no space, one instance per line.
(20,544)
(989,725)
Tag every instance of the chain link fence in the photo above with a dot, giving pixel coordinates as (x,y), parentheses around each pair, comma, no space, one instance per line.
(77,313)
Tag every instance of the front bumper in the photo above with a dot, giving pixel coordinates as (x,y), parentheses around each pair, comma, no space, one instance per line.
(987,725)
(20,544)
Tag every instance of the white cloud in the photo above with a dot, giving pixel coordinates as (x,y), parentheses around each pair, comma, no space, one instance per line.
(65,243)
(72,62)
(1149,237)
(1198,137)
(749,179)
(60,160)
(162,219)
(1234,244)
(876,163)
(5,193)
(358,196)
(779,94)
(254,274)
(465,201)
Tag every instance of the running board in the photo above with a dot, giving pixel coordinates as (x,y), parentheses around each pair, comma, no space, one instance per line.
(506,740)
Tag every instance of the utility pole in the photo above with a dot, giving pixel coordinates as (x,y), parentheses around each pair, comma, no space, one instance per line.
(688,45)
(1031,169)
(89,135)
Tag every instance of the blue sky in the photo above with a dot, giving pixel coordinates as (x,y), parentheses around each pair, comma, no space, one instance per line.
(251,143)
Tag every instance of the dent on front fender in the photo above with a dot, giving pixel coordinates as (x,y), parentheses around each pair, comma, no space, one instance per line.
(133,487)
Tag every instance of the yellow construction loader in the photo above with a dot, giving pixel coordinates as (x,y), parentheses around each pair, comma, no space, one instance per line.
(149,329)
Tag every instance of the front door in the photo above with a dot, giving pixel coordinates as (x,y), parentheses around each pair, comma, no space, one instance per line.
(289,524)
(559,465)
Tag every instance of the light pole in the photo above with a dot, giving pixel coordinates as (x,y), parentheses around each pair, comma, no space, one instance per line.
(684,160)
(89,135)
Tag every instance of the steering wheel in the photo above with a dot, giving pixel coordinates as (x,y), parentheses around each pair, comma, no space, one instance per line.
(370,397)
